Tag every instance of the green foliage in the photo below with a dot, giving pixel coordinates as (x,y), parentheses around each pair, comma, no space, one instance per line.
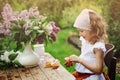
(113,30)
(114,24)
(4,65)
(1,46)
(8,65)
(18,5)
(11,63)
(17,63)
(63,12)
(69,14)
(54,8)
(12,56)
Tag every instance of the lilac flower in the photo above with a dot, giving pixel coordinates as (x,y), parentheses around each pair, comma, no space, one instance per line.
(49,28)
(27,32)
(55,29)
(53,36)
(24,15)
(7,24)
(7,13)
(1,26)
(2,31)
(7,32)
(27,26)
(15,16)
(34,12)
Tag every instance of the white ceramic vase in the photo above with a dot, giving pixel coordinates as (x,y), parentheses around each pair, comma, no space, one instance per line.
(39,49)
(28,57)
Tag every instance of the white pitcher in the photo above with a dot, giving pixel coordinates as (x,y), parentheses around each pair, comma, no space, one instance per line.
(39,49)
(28,57)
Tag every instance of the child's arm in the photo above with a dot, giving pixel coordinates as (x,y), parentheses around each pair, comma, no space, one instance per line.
(95,67)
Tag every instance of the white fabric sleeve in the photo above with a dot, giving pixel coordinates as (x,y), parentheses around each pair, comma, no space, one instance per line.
(100,45)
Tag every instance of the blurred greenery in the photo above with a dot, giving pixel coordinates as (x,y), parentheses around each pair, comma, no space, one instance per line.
(64,12)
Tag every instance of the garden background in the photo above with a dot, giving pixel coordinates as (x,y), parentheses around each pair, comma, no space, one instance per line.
(64,13)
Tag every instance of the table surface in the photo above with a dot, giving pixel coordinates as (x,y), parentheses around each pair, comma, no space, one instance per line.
(38,72)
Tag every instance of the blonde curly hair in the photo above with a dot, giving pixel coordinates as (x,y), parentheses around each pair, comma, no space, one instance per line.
(98,27)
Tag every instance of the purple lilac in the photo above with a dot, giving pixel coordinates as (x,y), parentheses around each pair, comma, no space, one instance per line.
(7,13)
(55,29)
(24,15)
(34,12)
(1,28)
(53,36)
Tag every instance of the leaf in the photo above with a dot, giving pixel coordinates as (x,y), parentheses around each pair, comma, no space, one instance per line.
(2,63)
(33,35)
(22,22)
(13,45)
(15,22)
(12,56)
(2,51)
(18,63)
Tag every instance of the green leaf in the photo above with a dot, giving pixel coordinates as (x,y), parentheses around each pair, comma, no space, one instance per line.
(13,45)
(2,51)
(12,56)
(22,22)
(2,63)
(15,22)
(33,35)
(18,63)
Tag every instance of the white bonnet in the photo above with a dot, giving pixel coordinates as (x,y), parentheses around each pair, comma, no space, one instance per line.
(83,21)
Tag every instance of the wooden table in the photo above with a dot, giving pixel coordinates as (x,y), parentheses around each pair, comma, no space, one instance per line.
(36,73)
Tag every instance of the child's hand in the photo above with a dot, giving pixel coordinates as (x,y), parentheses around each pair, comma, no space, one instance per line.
(74,58)
(67,59)
(68,62)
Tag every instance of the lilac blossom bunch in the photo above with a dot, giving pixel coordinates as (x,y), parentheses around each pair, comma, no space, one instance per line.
(27,26)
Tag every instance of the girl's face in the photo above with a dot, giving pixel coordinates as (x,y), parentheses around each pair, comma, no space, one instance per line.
(86,34)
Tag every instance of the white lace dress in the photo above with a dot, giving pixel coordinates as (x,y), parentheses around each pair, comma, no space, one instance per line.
(88,55)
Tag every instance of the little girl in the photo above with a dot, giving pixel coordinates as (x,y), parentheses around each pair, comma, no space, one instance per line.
(89,65)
